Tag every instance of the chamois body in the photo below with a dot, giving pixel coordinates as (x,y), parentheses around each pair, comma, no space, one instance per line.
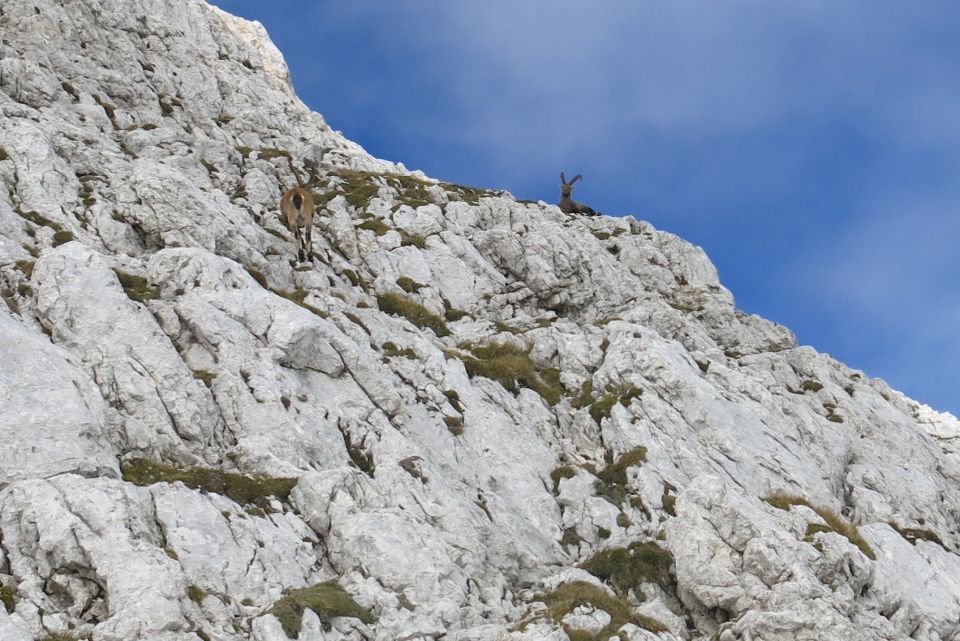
(296,207)
(569,205)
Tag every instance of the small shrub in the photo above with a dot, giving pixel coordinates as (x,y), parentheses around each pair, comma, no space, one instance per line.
(560,473)
(627,568)
(602,407)
(611,482)
(327,600)
(136,287)
(811,386)
(623,520)
(513,368)
(246,490)
(603,533)
(413,311)
(3,154)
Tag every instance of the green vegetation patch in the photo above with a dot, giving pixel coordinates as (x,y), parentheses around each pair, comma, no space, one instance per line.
(8,598)
(3,154)
(136,287)
(409,285)
(269,153)
(601,407)
(627,568)
(469,195)
(246,490)
(357,187)
(413,311)
(569,596)
(390,349)
(611,482)
(205,376)
(513,368)
(375,225)
(39,219)
(61,237)
(195,593)
(454,424)
(409,238)
(560,473)
(811,386)
(298,296)
(26,266)
(838,524)
(327,600)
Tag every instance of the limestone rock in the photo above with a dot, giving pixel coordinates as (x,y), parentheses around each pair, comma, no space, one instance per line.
(471,397)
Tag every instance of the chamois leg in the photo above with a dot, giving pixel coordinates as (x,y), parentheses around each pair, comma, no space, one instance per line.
(308,246)
(299,237)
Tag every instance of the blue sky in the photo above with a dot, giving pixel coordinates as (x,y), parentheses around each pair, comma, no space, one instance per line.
(812,147)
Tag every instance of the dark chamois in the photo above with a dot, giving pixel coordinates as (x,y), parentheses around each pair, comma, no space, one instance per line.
(568,204)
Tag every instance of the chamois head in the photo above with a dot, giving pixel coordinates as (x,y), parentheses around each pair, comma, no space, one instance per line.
(567,204)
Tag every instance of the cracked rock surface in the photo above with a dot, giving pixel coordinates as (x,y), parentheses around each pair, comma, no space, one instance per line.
(467,417)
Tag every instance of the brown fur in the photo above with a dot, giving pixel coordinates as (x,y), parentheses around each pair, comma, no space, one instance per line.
(302,216)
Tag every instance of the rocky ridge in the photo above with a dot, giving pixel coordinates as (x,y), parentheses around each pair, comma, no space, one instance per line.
(480,418)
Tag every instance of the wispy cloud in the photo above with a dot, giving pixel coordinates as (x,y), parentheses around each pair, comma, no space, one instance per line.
(809,145)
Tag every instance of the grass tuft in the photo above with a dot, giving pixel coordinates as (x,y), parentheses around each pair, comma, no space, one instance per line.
(61,237)
(569,596)
(838,524)
(327,600)
(409,285)
(513,368)
(136,287)
(413,311)
(246,490)
(560,473)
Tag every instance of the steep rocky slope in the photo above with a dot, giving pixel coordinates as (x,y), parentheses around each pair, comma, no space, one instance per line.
(469,418)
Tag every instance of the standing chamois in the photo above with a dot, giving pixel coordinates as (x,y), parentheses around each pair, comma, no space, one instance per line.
(296,207)
(568,204)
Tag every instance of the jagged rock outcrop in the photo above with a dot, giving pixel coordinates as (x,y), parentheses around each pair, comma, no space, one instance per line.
(481,419)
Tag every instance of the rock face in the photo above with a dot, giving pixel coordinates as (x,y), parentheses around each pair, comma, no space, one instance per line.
(481,419)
